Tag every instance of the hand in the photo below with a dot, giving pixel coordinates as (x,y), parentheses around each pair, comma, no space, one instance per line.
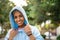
(27,29)
(13,33)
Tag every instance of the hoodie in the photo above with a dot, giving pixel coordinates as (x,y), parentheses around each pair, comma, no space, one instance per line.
(12,22)
(21,33)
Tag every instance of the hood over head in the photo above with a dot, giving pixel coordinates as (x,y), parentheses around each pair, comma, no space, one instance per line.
(14,25)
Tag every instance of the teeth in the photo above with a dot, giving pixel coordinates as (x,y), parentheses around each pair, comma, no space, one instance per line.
(19,22)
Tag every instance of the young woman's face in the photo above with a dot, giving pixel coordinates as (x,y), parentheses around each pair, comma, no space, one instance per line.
(18,17)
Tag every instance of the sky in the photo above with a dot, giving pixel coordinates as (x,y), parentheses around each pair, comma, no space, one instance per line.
(19,2)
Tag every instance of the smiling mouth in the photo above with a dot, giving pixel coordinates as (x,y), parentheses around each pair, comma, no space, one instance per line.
(19,22)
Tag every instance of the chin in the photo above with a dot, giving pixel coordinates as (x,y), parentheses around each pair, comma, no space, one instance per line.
(20,24)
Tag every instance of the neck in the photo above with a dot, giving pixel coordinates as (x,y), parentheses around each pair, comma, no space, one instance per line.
(22,26)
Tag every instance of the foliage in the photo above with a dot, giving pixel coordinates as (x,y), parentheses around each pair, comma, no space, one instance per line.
(58,37)
(38,11)
(5,7)
(44,36)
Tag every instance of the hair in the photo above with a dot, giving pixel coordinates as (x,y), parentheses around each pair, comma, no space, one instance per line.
(15,11)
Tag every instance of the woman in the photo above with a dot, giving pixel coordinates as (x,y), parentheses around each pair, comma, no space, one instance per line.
(21,29)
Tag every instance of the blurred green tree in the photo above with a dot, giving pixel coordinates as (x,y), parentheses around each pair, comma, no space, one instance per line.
(42,10)
(5,7)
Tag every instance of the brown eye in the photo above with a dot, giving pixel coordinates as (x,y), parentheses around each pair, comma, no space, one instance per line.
(20,16)
(15,17)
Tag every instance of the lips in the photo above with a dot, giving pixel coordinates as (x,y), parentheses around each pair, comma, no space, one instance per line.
(19,22)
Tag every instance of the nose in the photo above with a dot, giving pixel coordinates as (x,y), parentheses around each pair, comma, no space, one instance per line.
(18,19)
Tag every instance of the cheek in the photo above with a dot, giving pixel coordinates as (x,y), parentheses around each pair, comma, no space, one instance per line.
(15,20)
(22,19)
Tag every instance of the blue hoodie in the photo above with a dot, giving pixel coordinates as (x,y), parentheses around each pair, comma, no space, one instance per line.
(21,33)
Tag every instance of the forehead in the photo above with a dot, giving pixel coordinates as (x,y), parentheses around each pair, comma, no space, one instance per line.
(16,12)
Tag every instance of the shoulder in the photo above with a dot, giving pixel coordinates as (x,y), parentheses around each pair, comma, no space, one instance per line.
(33,28)
(36,33)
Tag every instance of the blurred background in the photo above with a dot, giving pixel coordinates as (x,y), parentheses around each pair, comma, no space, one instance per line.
(44,14)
